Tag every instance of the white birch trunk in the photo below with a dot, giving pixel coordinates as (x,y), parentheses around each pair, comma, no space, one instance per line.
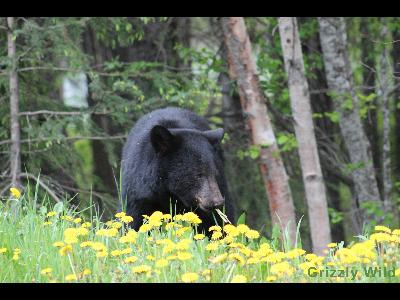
(304,129)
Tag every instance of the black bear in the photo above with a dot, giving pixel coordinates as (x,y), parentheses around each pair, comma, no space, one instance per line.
(172,154)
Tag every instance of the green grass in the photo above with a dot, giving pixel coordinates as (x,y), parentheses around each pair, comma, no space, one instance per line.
(23,226)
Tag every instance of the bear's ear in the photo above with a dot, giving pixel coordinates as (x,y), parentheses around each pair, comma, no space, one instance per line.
(214,136)
(161,138)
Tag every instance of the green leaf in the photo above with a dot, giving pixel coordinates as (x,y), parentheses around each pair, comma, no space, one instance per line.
(242,219)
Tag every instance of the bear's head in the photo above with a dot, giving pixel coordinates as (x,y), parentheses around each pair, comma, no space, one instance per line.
(189,164)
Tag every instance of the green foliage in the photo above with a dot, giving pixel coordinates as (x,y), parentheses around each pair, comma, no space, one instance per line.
(335,216)
(287,142)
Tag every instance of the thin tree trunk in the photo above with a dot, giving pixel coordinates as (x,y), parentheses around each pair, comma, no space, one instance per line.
(369,78)
(396,73)
(304,129)
(243,69)
(339,76)
(15,155)
(384,88)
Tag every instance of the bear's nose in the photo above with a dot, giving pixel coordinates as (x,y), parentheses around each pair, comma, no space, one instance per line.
(217,203)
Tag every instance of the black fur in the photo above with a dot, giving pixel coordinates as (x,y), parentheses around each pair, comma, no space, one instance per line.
(167,155)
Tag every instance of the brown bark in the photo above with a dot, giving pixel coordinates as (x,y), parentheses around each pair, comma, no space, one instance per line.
(15,153)
(243,175)
(243,69)
(304,129)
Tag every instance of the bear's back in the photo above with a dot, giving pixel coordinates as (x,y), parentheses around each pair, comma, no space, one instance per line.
(138,156)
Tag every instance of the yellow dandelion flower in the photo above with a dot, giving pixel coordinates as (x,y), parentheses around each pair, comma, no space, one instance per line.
(120,215)
(86,225)
(141,269)
(116,225)
(381,237)
(212,246)
(191,218)
(206,272)
(167,217)
(189,277)
(65,249)
(332,245)
(86,272)
(51,214)
(126,250)
(253,261)
(161,263)
(71,277)
(310,256)
(270,278)
(3,250)
(127,219)
(171,257)
(86,244)
(67,218)
(98,246)
(252,234)
(397,272)
(82,231)
(168,248)
(150,257)
(15,192)
(396,232)
(236,245)
(246,251)
(77,220)
(130,259)
(239,279)
(199,236)
(218,259)
(229,228)
(184,255)
(58,244)
(183,244)
(382,228)
(47,223)
(237,257)
(145,227)
(181,231)
(215,228)
(242,228)
(116,253)
(295,253)
(46,271)
(178,217)
(102,253)
(216,235)
(283,268)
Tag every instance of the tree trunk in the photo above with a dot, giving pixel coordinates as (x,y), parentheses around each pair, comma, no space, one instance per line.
(396,73)
(371,121)
(339,76)
(244,178)
(15,155)
(243,69)
(304,129)
(385,86)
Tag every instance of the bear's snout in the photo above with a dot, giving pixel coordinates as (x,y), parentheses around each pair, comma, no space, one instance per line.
(209,196)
